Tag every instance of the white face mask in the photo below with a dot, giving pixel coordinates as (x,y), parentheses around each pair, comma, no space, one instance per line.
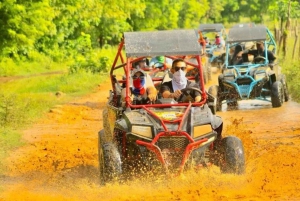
(179,80)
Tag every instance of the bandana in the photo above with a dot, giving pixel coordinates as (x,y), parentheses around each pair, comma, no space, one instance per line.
(138,86)
(179,80)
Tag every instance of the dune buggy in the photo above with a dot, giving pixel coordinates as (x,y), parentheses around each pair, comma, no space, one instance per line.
(166,136)
(215,52)
(250,78)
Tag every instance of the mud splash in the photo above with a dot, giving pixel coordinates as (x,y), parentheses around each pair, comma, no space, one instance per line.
(61,160)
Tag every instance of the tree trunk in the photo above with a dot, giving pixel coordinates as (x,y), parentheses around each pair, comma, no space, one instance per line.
(284,46)
(280,43)
(285,34)
(296,40)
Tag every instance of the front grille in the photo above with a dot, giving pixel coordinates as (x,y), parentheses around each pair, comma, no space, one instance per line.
(172,149)
(173,142)
(244,89)
(244,81)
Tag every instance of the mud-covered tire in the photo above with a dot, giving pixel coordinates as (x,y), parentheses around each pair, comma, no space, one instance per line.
(109,160)
(205,74)
(214,91)
(233,103)
(282,79)
(209,76)
(232,155)
(277,94)
(220,82)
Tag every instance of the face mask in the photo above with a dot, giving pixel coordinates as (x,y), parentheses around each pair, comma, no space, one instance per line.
(179,80)
(179,77)
(138,85)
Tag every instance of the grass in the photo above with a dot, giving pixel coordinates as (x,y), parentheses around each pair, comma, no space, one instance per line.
(26,99)
(23,101)
(291,68)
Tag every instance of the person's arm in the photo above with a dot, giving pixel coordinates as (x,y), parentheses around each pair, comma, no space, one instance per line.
(166,91)
(271,56)
(196,94)
(152,93)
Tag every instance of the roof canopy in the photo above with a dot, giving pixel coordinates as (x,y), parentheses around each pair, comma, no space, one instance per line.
(211,27)
(247,33)
(156,43)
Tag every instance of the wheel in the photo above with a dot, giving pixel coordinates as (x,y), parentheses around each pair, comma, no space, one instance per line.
(232,103)
(232,155)
(109,160)
(220,82)
(282,78)
(208,71)
(277,94)
(205,74)
(214,91)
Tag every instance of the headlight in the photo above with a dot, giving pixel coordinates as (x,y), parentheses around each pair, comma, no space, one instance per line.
(144,131)
(217,53)
(260,76)
(202,130)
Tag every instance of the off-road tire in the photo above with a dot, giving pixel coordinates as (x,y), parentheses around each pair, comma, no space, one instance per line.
(232,154)
(209,71)
(277,94)
(282,78)
(214,91)
(232,103)
(205,73)
(220,82)
(109,160)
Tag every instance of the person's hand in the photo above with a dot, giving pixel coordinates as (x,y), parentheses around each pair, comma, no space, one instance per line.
(198,99)
(177,93)
(152,97)
(152,93)
(239,54)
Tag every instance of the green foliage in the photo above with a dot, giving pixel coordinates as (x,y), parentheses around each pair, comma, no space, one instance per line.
(293,74)
(9,139)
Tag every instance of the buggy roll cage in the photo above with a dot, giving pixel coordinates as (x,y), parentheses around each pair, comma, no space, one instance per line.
(211,27)
(171,43)
(239,34)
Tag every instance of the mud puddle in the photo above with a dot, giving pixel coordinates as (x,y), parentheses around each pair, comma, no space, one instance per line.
(61,160)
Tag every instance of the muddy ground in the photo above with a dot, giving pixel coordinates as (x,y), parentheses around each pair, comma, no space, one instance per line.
(60,159)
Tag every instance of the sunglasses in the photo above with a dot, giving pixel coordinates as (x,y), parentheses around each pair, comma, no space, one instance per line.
(141,77)
(177,68)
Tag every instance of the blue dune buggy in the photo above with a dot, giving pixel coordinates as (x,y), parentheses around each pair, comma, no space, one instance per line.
(215,52)
(248,77)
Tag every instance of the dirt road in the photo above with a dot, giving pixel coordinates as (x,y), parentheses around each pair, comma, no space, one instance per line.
(60,160)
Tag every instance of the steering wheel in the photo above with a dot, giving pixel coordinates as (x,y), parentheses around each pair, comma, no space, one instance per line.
(187,92)
(259,59)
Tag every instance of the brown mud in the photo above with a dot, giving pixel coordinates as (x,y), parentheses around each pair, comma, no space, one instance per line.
(60,160)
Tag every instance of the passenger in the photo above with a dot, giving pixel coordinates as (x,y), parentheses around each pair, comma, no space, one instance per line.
(234,58)
(217,40)
(207,42)
(156,61)
(259,51)
(142,64)
(172,89)
(142,87)
(202,42)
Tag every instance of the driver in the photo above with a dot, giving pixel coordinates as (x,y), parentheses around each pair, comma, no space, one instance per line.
(172,89)
(259,51)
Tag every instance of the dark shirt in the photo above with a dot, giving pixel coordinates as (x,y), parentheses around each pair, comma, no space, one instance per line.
(256,53)
(167,86)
